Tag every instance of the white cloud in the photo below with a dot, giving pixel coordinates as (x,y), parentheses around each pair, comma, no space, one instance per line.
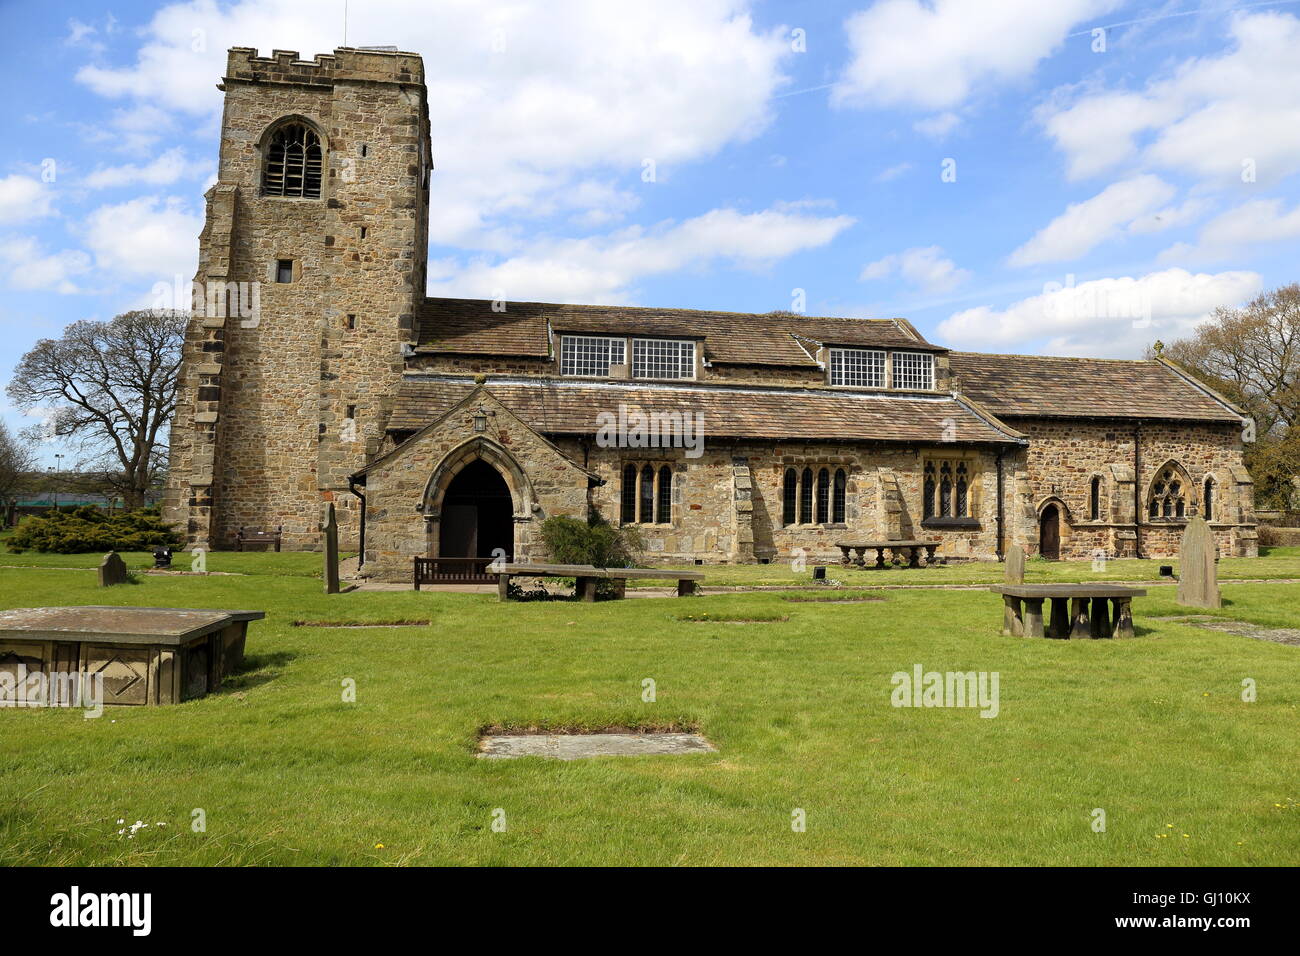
(530,104)
(924,267)
(1207,117)
(1113,317)
(163,171)
(145,237)
(1234,231)
(26,267)
(893,172)
(1085,225)
(937,126)
(935,55)
(1171,217)
(23,198)
(603,268)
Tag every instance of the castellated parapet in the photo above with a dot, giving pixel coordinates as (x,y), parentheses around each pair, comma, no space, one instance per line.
(283,397)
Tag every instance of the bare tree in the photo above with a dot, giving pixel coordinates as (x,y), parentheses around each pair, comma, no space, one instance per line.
(17,461)
(111,387)
(1252,356)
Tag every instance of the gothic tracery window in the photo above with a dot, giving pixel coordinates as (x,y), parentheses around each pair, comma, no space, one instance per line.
(949,489)
(1168,495)
(294,163)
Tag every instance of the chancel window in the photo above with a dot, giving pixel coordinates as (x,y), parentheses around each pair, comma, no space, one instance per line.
(1207,500)
(914,370)
(647,494)
(294,163)
(663,358)
(1094,499)
(811,496)
(863,368)
(590,355)
(1168,496)
(948,489)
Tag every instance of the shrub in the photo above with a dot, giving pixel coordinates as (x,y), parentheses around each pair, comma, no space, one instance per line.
(85,529)
(595,542)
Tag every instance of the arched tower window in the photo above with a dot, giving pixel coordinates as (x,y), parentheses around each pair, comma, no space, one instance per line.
(293,162)
(789,497)
(838,495)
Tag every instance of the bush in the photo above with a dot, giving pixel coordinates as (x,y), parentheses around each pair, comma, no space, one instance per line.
(86,529)
(595,542)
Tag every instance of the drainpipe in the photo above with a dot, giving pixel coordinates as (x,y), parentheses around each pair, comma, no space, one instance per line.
(1001,532)
(361,556)
(1137,491)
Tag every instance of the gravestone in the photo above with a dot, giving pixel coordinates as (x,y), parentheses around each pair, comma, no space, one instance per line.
(330,549)
(1198,582)
(331,529)
(1015,565)
(112,570)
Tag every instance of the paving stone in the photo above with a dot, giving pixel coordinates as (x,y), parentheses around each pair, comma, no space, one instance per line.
(577,746)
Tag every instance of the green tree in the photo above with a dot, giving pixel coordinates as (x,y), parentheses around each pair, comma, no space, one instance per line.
(111,387)
(1251,355)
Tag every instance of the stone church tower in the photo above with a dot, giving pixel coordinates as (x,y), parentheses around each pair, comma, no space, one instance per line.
(311,267)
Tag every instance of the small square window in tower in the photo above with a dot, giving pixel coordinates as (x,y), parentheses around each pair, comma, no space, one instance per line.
(284,270)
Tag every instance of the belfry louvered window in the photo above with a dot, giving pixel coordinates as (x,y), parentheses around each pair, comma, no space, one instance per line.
(294,163)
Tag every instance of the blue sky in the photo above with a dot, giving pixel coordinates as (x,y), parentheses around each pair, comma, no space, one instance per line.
(1076,177)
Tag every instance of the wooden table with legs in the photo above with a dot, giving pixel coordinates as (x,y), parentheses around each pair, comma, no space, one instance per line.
(1078,610)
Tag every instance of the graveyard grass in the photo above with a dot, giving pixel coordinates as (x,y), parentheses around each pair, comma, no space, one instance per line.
(1153,731)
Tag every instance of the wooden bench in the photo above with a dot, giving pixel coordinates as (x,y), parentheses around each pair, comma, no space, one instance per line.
(913,549)
(251,536)
(453,571)
(1105,620)
(586,575)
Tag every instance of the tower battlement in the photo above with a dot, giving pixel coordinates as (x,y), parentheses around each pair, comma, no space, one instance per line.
(244,64)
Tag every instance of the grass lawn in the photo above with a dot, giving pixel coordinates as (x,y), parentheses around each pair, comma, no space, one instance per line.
(1154,731)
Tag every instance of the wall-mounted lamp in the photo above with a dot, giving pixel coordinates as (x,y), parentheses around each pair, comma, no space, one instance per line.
(480,419)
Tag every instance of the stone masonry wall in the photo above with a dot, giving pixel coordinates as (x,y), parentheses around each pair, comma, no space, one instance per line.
(1063,456)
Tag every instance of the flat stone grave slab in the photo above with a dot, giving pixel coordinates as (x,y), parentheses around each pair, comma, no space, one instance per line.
(578,746)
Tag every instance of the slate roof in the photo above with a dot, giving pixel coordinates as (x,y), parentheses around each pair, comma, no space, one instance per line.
(1012,386)
(470,327)
(571,408)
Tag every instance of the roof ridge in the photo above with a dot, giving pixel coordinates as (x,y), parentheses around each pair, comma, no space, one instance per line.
(1065,358)
(773,313)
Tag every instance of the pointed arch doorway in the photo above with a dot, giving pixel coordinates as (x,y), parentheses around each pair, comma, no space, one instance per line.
(1049,533)
(477,514)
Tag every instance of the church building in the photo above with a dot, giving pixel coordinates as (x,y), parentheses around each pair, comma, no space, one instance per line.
(317,370)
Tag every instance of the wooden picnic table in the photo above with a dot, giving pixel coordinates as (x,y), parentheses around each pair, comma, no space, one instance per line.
(1098,610)
(587,575)
(913,549)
